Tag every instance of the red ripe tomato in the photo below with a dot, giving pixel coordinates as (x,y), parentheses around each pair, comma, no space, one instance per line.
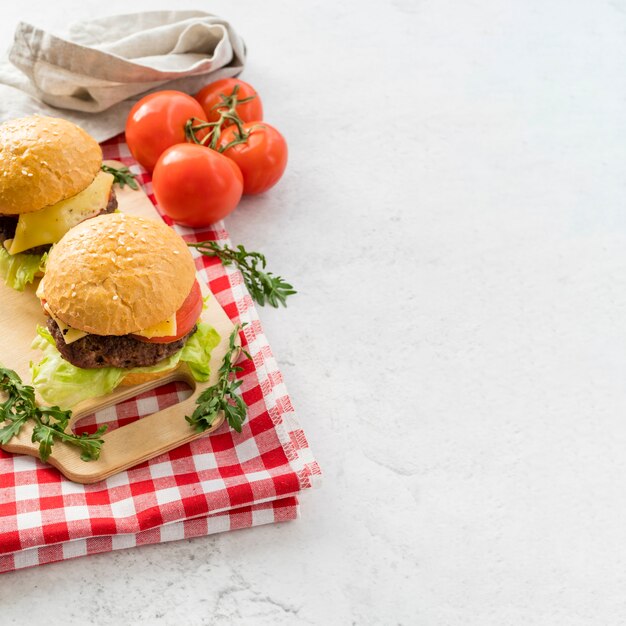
(196,186)
(186,317)
(262,159)
(157,122)
(209,97)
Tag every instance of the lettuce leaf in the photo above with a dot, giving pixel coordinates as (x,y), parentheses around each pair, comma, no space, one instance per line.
(197,351)
(61,383)
(20,269)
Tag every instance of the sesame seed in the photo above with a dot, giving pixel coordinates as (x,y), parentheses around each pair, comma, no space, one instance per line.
(128,249)
(73,294)
(24,172)
(111,237)
(143,239)
(176,251)
(73,286)
(115,297)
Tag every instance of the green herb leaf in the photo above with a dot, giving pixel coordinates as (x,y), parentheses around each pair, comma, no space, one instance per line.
(223,395)
(122,176)
(50,423)
(12,428)
(43,434)
(264,287)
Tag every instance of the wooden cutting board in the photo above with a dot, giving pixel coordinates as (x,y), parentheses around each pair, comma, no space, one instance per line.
(133,443)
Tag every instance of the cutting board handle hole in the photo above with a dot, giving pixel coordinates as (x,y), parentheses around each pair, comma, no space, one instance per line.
(133,409)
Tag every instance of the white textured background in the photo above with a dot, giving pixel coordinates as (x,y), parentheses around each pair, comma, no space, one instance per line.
(453,216)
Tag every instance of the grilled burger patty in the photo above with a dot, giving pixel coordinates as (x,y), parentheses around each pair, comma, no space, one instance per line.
(8,224)
(94,351)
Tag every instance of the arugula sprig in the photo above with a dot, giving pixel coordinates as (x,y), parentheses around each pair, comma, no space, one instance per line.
(223,395)
(264,287)
(50,422)
(122,176)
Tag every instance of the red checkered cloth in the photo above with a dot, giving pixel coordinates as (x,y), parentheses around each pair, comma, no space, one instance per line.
(223,481)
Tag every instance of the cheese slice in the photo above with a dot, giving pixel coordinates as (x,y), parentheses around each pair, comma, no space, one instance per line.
(70,335)
(50,224)
(162,329)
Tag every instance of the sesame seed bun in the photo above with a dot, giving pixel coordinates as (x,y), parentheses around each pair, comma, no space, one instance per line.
(117,274)
(44,160)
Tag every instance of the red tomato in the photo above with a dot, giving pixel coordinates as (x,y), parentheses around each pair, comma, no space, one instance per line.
(209,97)
(186,317)
(157,122)
(262,159)
(196,186)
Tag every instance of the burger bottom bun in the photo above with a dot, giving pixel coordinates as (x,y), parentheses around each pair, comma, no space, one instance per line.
(139,378)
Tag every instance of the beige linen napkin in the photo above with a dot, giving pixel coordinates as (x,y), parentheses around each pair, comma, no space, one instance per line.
(94,74)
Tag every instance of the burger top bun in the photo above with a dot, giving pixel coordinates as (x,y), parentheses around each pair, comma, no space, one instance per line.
(44,160)
(117,274)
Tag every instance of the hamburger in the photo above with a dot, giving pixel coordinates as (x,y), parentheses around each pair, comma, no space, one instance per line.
(50,181)
(122,306)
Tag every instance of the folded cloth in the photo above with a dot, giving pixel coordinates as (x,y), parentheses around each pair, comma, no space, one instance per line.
(106,64)
(223,481)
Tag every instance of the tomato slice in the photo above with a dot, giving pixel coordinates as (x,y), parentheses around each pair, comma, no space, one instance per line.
(186,317)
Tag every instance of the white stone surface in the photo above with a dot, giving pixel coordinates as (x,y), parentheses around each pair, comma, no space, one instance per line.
(454,219)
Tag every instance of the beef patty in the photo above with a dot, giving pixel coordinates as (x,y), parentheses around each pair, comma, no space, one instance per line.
(94,351)
(8,224)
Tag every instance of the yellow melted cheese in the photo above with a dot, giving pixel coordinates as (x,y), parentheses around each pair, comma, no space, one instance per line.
(69,334)
(162,329)
(50,224)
